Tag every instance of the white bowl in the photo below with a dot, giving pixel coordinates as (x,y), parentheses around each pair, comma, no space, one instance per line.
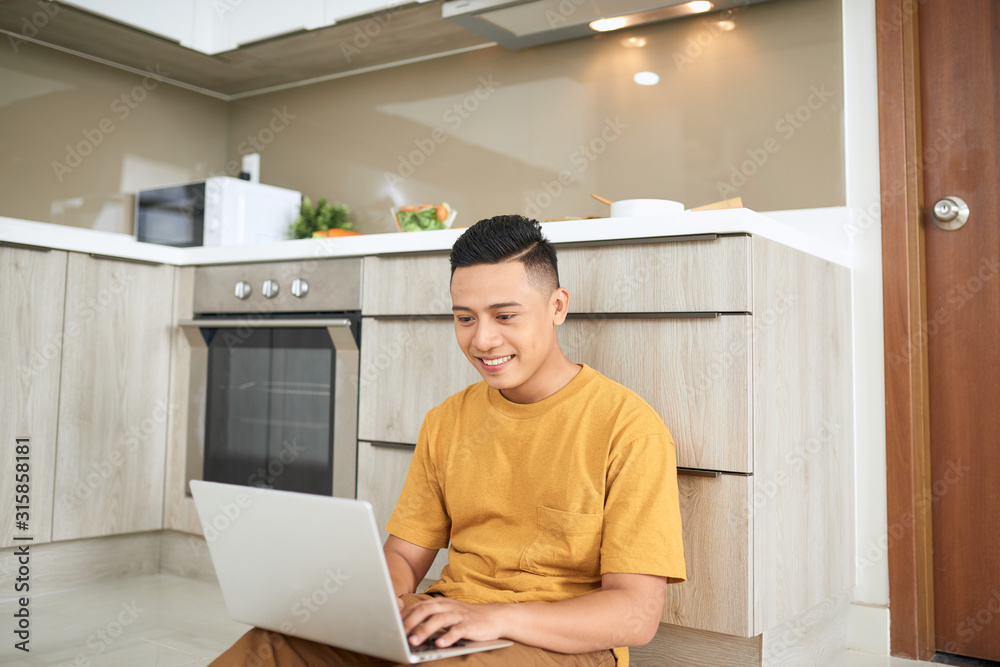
(632,207)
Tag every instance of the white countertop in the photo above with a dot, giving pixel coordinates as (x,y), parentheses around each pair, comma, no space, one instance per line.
(823,243)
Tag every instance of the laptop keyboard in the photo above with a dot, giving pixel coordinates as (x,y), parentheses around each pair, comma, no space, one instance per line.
(429,645)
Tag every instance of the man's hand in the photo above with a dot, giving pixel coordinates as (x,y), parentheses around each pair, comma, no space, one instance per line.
(462,620)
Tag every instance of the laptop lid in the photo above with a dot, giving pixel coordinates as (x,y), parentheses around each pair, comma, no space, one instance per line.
(307,565)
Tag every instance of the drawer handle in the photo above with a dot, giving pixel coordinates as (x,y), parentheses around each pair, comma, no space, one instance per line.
(391,445)
(695,472)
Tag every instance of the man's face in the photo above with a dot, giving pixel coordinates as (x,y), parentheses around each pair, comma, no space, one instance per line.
(506,326)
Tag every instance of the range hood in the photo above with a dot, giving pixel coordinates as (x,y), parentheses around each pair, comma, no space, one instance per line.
(516,24)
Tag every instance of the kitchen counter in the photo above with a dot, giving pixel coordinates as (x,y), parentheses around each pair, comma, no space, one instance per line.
(825,243)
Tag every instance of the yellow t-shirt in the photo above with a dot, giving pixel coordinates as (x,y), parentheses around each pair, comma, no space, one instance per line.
(539,500)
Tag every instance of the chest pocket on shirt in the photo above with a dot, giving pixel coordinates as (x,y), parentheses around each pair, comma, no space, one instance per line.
(565,544)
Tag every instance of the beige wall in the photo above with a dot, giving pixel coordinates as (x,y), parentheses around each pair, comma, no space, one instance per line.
(395,137)
(135,132)
(532,131)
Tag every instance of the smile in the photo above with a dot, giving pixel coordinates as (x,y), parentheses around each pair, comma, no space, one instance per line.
(498,361)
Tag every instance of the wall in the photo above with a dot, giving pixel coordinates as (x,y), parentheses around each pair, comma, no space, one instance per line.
(536,131)
(77,134)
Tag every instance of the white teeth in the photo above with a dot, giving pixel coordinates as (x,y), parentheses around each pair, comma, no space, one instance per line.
(497,362)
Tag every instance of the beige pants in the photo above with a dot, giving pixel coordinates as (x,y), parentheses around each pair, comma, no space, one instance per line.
(262,648)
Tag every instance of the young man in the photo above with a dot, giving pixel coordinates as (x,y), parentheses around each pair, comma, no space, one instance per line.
(555,486)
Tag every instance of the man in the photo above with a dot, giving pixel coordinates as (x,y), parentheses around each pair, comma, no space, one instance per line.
(555,487)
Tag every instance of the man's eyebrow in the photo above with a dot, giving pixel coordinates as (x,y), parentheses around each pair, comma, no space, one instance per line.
(495,306)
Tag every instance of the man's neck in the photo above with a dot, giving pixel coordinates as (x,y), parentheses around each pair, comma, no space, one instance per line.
(555,377)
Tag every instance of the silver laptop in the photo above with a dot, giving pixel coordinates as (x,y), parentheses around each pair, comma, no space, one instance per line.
(309,566)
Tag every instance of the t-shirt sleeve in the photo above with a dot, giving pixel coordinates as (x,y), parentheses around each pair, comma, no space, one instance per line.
(642,520)
(420,515)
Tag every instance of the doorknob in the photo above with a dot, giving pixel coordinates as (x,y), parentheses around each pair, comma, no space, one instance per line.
(950,213)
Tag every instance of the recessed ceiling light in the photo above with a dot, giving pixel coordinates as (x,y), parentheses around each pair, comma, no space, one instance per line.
(700,6)
(634,42)
(646,78)
(604,25)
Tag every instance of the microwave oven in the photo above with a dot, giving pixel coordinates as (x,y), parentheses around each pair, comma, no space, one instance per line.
(216,211)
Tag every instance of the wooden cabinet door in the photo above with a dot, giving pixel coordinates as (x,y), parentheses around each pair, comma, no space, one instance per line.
(31,338)
(718,550)
(408,366)
(381,475)
(113,400)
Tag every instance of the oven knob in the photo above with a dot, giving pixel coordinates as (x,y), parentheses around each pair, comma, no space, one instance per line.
(300,288)
(270,288)
(243,289)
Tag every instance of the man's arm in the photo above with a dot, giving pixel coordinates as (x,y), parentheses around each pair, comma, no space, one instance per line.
(625,612)
(408,564)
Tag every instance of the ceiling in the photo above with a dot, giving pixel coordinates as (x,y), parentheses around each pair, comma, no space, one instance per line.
(410,32)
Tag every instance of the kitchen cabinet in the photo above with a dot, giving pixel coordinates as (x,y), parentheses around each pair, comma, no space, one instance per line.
(31,341)
(382,471)
(113,399)
(173,20)
(742,345)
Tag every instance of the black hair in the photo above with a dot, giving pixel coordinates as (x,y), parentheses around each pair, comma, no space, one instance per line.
(506,238)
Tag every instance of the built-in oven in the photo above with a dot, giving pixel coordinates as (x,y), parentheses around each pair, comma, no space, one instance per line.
(274,375)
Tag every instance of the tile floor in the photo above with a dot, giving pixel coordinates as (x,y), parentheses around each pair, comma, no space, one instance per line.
(163,620)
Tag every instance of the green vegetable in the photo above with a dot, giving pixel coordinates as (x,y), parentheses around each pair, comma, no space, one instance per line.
(321,218)
(415,221)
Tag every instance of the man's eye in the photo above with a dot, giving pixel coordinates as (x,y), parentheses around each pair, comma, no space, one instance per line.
(464,320)
(505,317)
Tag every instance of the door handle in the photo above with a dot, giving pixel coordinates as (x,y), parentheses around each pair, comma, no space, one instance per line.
(950,213)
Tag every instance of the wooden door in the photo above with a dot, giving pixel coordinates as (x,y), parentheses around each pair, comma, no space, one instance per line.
(959,45)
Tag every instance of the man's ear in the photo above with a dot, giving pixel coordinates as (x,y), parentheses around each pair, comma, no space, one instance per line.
(560,305)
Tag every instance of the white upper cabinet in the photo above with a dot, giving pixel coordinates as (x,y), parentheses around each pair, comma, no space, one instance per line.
(214,26)
(173,20)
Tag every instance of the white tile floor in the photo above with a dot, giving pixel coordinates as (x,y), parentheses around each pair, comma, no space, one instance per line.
(163,620)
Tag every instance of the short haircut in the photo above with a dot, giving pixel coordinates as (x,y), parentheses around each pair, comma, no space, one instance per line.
(508,238)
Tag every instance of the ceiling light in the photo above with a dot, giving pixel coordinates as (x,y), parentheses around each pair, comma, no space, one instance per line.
(634,42)
(605,25)
(646,78)
(700,6)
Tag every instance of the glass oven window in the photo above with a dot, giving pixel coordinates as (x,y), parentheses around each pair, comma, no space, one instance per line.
(269,408)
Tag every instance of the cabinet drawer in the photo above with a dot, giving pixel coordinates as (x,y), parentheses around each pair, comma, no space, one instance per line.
(407,367)
(381,475)
(717,595)
(656,277)
(694,371)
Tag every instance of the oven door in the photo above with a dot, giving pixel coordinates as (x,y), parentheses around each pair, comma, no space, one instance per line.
(280,402)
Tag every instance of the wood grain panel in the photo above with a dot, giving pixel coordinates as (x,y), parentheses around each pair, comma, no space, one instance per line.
(663,277)
(657,277)
(188,399)
(904,308)
(381,475)
(676,646)
(718,594)
(815,637)
(692,371)
(803,501)
(407,285)
(60,566)
(113,399)
(31,340)
(407,368)
(695,372)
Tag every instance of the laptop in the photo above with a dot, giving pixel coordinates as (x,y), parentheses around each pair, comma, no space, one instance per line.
(310,566)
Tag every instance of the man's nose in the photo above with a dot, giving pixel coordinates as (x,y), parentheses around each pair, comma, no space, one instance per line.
(487,336)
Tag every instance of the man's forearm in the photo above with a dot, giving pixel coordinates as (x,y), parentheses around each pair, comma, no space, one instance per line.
(401,573)
(599,620)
